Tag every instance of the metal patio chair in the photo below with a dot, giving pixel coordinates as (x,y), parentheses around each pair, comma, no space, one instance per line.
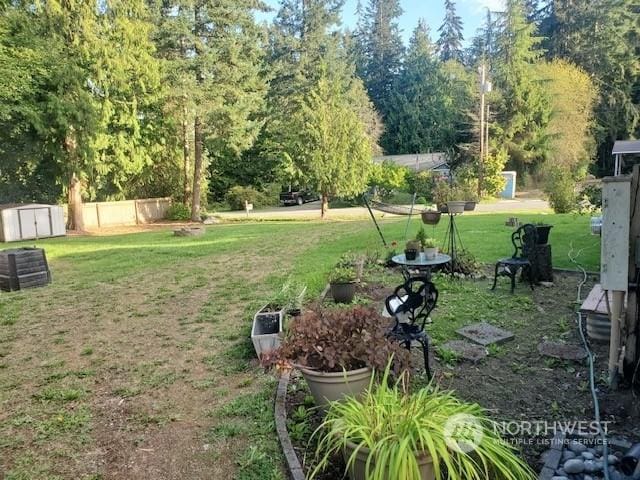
(524,243)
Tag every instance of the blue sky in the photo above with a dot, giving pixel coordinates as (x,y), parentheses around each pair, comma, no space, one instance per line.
(472,13)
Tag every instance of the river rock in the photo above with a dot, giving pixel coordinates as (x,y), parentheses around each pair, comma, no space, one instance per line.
(577,447)
(575,465)
(587,455)
(568,455)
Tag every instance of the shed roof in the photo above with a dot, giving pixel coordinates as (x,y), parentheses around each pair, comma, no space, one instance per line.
(626,146)
(6,206)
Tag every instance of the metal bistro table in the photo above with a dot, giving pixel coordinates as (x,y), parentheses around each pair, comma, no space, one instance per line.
(411,303)
(421,264)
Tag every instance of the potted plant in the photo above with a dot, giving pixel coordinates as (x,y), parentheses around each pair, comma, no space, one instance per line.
(387,434)
(342,281)
(267,324)
(456,206)
(471,197)
(542,232)
(430,217)
(430,248)
(337,350)
(412,249)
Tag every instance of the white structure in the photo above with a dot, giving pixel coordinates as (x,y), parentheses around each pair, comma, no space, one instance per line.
(436,162)
(30,221)
(622,148)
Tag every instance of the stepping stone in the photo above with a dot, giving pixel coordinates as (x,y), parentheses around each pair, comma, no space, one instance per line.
(467,351)
(485,334)
(562,351)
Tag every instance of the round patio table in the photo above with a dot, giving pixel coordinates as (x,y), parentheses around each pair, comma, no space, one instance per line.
(421,263)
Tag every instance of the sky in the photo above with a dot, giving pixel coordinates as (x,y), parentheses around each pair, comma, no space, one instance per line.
(472,12)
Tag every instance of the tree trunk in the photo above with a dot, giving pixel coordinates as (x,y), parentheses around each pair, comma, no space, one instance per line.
(197,170)
(185,154)
(325,205)
(75,220)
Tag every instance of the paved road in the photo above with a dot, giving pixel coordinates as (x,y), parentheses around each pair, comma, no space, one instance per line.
(312,211)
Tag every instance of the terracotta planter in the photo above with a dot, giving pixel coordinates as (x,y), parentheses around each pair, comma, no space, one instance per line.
(430,253)
(343,292)
(470,206)
(357,472)
(430,217)
(329,387)
(456,207)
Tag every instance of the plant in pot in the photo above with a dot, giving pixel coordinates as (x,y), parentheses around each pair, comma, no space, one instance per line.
(342,281)
(430,217)
(267,322)
(412,249)
(337,350)
(430,248)
(387,434)
(471,196)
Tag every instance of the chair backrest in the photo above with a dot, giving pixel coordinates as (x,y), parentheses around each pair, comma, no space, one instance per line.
(524,241)
(416,298)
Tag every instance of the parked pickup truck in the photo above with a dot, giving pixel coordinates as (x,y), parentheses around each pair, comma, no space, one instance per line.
(297,196)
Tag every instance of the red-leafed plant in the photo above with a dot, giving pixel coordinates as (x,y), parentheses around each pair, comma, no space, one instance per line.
(330,340)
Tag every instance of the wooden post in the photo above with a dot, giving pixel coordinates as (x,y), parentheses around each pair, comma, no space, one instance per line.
(631,322)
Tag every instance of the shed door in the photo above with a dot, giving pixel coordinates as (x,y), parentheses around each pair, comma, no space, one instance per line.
(34,223)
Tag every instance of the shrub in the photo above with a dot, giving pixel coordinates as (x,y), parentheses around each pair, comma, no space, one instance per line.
(560,188)
(238,195)
(422,183)
(337,339)
(178,211)
(387,177)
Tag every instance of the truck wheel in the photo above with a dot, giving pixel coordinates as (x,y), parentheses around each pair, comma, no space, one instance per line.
(299,200)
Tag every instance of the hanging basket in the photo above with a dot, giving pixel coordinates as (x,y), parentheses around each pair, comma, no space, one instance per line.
(430,217)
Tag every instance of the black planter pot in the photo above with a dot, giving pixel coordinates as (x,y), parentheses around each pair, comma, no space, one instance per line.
(470,206)
(411,254)
(542,234)
(443,208)
(343,292)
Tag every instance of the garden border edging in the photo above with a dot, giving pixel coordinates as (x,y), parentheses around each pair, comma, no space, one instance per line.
(295,468)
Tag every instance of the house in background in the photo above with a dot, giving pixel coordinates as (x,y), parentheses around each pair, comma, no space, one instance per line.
(435,162)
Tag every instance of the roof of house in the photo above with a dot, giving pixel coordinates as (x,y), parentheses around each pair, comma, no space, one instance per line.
(626,146)
(419,161)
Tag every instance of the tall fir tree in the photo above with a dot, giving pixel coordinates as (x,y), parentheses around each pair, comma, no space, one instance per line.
(451,38)
(215,68)
(89,121)
(382,49)
(524,108)
(430,99)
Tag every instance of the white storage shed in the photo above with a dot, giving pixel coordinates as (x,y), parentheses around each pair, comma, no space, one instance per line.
(30,221)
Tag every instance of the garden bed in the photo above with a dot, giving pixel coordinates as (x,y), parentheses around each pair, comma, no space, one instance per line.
(515,383)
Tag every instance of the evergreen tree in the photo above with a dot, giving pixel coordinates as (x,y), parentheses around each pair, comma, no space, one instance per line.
(524,108)
(216,73)
(427,111)
(382,49)
(450,41)
(88,118)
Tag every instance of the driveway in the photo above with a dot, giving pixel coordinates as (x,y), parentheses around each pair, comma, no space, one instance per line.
(311,211)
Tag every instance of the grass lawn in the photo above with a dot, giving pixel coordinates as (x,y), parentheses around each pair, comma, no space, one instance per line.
(135,362)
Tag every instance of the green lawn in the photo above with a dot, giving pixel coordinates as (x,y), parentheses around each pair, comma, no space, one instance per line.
(136,360)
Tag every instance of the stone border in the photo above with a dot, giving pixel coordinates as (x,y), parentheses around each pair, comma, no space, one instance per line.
(553,458)
(281,427)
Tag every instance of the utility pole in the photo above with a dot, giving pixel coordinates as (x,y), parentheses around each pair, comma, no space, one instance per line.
(483,72)
(485,87)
